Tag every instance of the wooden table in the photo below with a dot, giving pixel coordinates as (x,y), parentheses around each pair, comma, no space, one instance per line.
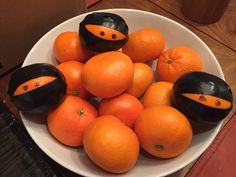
(220,37)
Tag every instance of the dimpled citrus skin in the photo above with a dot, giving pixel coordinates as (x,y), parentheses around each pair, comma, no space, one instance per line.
(125,107)
(163,131)
(177,61)
(72,72)
(144,45)
(108,74)
(159,93)
(67,46)
(143,77)
(70,119)
(111,145)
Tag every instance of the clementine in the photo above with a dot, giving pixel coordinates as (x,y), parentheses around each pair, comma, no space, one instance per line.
(111,145)
(72,71)
(125,107)
(108,74)
(159,93)
(177,61)
(69,120)
(67,46)
(163,131)
(144,45)
(143,77)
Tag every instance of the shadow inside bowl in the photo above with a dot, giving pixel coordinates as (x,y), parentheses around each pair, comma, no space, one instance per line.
(144,153)
(201,127)
(86,161)
(36,118)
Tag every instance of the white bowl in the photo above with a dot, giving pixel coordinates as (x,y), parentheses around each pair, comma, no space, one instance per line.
(76,159)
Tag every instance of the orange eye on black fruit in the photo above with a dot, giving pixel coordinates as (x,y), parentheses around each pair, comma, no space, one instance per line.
(37,88)
(102,31)
(202,97)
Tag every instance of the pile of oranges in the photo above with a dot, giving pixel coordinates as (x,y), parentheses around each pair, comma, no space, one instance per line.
(114,105)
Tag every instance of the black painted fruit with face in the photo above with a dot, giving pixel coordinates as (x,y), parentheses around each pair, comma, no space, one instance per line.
(202,97)
(37,88)
(102,31)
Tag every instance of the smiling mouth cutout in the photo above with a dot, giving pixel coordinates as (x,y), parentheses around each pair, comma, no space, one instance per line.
(33,84)
(105,33)
(208,100)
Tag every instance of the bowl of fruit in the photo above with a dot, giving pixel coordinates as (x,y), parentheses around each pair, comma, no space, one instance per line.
(121,91)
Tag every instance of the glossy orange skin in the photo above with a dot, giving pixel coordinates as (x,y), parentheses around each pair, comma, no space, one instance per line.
(111,145)
(125,107)
(158,93)
(163,131)
(69,120)
(177,61)
(67,46)
(144,45)
(72,71)
(108,74)
(143,78)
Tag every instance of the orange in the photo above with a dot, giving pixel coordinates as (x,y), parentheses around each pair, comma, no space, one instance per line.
(143,77)
(72,71)
(111,145)
(69,120)
(67,46)
(177,61)
(125,107)
(33,84)
(108,74)
(159,93)
(144,45)
(163,131)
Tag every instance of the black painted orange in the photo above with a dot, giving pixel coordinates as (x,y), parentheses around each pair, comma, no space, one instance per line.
(37,88)
(202,97)
(101,31)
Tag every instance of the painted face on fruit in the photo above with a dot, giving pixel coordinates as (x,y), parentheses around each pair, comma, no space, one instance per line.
(105,32)
(33,84)
(208,100)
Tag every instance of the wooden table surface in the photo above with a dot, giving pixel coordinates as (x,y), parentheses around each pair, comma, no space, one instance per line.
(220,38)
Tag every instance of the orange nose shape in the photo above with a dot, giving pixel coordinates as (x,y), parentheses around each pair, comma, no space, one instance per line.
(33,84)
(105,33)
(208,100)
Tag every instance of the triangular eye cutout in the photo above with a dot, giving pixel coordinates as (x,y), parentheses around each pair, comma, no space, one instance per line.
(208,100)
(33,84)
